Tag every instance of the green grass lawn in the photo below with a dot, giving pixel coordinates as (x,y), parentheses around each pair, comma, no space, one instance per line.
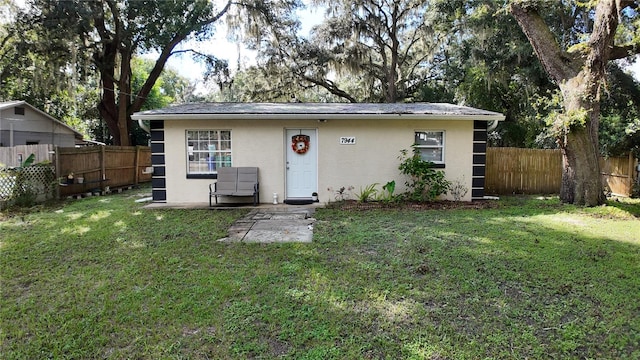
(105,278)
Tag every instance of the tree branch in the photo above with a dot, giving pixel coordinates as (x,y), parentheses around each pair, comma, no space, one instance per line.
(602,37)
(621,52)
(167,51)
(331,87)
(559,64)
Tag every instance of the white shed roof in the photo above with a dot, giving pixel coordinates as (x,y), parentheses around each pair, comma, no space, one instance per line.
(243,111)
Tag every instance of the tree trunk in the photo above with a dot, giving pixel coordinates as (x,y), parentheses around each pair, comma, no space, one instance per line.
(580,76)
(581,178)
(124,97)
(108,106)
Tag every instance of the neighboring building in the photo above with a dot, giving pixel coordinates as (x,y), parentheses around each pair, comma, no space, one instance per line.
(301,148)
(24,124)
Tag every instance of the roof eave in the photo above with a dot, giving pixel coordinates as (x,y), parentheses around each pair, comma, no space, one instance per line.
(249,116)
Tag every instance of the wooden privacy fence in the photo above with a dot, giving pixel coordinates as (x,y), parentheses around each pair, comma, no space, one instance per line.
(619,174)
(14,156)
(523,171)
(101,168)
(539,171)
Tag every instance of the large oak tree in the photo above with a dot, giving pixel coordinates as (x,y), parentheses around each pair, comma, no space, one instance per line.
(364,50)
(580,73)
(112,32)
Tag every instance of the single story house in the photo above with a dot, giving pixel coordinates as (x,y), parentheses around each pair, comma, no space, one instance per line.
(306,148)
(24,124)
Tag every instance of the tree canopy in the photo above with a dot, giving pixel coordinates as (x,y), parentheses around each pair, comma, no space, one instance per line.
(546,65)
(103,37)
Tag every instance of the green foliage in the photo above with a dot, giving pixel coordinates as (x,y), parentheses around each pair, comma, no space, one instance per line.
(78,37)
(158,95)
(425,183)
(169,88)
(44,73)
(28,161)
(620,121)
(388,191)
(492,66)
(367,193)
(32,183)
(635,191)
(356,54)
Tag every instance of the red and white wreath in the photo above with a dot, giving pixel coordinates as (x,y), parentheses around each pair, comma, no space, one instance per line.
(300,143)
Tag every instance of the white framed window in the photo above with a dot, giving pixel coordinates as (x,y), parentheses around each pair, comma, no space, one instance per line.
(207,151)
(430,145)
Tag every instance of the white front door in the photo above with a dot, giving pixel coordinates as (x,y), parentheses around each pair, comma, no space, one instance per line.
(302,163)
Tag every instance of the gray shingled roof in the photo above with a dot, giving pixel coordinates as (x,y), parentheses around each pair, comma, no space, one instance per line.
(14,103)
(317,111)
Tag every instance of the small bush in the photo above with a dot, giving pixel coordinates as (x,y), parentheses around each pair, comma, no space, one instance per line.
(32,184)
(635,191)
(342,193)
(425,183)
(458,189)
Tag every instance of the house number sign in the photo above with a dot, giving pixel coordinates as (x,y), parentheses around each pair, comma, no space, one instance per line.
(347,140)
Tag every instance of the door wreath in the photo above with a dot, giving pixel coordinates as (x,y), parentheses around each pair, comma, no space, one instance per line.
(300,143)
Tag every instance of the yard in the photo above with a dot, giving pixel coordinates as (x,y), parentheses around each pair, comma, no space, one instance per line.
(525,278)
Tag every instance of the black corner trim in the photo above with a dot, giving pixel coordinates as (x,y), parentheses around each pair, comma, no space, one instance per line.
(157,135)
(478,171)
(157,148)
(159,195)
(159,171)
(478,147)
(439,166)
(477,193)
(477,182)
(159,183)
(480,135)
(479,159)
(158,160)
(480,124)
(156,124)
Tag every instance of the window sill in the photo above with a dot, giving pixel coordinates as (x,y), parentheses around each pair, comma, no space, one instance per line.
(202,176)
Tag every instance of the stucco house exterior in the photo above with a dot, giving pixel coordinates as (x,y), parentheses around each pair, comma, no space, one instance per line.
(23,124)
(302,148)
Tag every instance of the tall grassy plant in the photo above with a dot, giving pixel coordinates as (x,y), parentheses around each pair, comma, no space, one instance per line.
(367,193)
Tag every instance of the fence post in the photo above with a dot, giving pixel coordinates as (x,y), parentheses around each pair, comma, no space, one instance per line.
(56,159)
(632,172)
(136,163)
(103,166)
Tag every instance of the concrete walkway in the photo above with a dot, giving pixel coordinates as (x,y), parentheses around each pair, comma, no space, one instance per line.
(265,223)
(274,225)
